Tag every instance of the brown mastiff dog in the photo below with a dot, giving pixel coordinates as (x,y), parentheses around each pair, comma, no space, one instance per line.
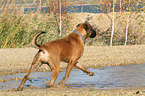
(68,49)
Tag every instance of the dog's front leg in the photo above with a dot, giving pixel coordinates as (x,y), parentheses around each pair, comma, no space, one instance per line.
(81,67)
(68,70)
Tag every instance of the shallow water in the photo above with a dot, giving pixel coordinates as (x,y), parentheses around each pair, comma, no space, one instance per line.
(108,77)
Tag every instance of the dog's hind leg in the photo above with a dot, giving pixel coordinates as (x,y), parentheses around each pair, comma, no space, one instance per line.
(35,65)
(81,67)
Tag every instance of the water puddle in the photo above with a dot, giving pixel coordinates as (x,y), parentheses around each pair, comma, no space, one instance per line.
(108,77)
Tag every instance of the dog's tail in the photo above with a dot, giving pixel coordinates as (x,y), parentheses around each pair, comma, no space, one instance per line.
(35,38)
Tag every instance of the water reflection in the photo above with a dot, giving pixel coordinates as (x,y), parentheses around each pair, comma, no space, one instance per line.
(109,77)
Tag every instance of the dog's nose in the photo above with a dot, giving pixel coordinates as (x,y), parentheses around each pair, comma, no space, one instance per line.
(93,34)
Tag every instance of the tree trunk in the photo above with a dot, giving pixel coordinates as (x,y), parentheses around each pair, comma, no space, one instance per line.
(120,6)
(126,30)
(82,6)
(60,17)
(112,23)
(40,5)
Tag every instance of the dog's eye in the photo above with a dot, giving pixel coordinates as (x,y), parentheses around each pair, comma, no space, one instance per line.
(78,25)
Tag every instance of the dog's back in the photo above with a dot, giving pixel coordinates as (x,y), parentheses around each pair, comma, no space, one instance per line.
(65,48)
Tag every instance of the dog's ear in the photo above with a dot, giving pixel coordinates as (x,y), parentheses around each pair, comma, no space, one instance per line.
(86,21)
(87,28)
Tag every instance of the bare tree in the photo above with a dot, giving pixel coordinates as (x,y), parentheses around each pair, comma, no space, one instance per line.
(40,5)
(127,24)
(60,16)
(82,6)
(112,23)
(120,5)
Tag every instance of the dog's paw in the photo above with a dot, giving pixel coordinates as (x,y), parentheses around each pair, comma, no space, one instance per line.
(61,83)
(19,89)
(91,74)
(49,86)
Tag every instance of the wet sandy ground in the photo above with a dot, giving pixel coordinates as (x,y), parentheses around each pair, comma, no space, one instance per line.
(18,60)
(75,92)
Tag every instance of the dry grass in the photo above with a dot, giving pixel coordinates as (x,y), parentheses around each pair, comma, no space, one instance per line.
(18,30)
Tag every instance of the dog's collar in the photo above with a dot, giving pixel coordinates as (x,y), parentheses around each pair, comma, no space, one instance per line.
(80,35)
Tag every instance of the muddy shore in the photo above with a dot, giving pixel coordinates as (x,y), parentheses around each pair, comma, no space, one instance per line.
(18,60)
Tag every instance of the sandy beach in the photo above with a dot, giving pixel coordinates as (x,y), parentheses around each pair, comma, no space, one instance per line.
(18,60)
